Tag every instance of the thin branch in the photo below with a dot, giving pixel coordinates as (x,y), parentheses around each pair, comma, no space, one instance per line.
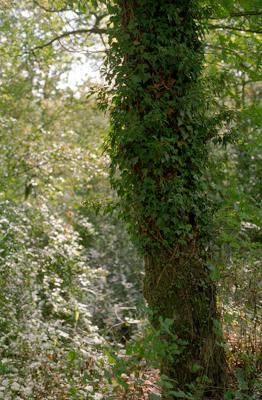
(51,10)
(80,51)
(240,14)
(246,13)
(103,42)
(67,34)
(233,28)
(98,18)
(230,50)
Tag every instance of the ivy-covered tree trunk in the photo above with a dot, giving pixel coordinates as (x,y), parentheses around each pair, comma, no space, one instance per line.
(179,288)
(157,144)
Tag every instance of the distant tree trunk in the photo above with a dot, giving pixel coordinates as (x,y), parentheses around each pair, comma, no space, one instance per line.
(158,155)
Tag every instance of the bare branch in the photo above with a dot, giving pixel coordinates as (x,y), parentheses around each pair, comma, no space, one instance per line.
(86,52)
(51,10)
(98,18)
(246,13)
(240,14)
(233,28)
(230,50)
(67,34)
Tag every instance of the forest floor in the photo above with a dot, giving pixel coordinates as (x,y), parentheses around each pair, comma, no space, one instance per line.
(141,387)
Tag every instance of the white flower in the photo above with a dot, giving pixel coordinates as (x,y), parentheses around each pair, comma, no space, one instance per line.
(98,396)
(89,388)
(15,386)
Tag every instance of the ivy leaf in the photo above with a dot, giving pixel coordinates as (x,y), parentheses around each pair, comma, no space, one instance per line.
(180,395)
(153,396)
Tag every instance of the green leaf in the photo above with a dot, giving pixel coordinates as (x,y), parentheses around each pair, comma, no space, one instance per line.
(72,355)
(196,368)
(122,382)
(229,395)
(214,272)
(153,396)
(180,395)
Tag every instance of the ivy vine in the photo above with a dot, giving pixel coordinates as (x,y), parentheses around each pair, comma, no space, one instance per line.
(160,121)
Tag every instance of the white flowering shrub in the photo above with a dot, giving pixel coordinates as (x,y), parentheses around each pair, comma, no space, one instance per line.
(62,269)
(49,347)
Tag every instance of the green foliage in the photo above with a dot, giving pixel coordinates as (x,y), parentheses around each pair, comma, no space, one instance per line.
(153,346)
(235,177)
(56,257)
(148,344)
(160,122)
(70,280)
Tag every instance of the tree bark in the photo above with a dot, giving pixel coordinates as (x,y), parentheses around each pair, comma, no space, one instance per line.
(178,287)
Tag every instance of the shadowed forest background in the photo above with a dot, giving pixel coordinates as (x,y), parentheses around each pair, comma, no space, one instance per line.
(73,320)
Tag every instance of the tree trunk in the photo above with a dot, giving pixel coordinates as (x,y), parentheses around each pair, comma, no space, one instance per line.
(178,287)
(157,145)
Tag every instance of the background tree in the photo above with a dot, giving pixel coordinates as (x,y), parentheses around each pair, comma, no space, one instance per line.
(235,174)
(53,257)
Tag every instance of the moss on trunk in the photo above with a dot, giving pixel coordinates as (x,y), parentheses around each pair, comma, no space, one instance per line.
(179,288)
